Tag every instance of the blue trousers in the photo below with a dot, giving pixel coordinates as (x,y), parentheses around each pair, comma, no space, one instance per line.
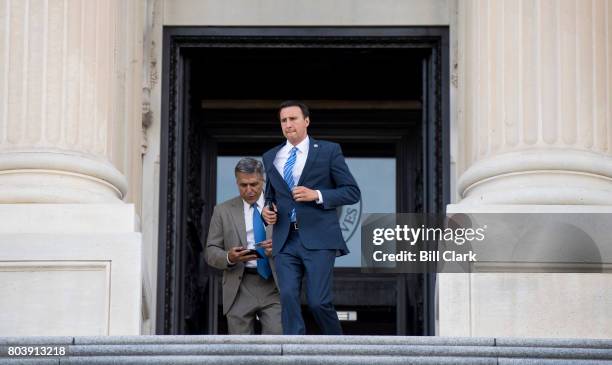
(295,262)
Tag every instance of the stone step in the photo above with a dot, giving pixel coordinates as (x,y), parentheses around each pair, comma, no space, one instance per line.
(355,340)
(296,350)
(332,350)
(373,340)
(293,360)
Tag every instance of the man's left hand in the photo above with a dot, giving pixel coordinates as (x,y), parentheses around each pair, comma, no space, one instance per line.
(303,194)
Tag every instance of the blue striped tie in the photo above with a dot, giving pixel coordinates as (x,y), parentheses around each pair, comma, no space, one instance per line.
(288,176)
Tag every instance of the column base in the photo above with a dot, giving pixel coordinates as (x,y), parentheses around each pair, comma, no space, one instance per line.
(70,270)
(551,176)
(53,176)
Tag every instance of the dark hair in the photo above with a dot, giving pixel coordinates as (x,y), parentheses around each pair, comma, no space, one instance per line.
(248,165)
(301,105)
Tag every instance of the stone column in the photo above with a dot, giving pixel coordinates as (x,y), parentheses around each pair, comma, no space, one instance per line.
(537,102)
(70,129)
(66,100)
(535,134)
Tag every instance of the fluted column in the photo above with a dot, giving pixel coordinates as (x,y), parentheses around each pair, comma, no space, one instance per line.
(536,101)
(67,100)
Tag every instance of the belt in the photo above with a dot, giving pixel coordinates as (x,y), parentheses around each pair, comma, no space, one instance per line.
(293,226)
(251,270)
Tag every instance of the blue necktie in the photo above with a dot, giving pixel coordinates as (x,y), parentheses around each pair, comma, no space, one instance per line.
(263,266)
(288,176)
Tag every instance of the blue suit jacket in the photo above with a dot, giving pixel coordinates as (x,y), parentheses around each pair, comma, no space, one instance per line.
(325,170)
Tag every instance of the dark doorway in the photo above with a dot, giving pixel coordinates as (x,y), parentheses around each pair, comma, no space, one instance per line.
(376,91)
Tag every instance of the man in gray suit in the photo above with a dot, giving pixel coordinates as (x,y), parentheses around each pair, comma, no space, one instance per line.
(236,238)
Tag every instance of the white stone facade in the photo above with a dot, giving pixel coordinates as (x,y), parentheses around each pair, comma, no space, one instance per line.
(534,126)
(70,114)
(80,115)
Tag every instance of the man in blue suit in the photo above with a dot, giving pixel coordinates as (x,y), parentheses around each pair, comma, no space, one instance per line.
(307,180)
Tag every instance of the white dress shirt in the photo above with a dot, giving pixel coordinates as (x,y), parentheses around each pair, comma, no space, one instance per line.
(300,160)
(248,222)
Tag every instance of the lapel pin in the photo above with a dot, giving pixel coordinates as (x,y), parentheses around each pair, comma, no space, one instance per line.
(316,145)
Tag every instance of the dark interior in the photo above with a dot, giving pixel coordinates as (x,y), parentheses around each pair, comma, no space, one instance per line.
(368,100)
(308,73)
(359,96)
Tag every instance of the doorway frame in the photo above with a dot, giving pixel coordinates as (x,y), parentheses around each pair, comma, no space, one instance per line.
(174,201)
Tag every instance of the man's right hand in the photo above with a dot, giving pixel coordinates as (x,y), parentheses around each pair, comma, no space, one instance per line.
(239,254)
(268,215)
(267,246)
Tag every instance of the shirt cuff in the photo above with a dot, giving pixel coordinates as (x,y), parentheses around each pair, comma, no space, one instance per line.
(320,200)
(229,263)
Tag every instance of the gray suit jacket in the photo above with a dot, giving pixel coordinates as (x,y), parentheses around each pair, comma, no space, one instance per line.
(228,229)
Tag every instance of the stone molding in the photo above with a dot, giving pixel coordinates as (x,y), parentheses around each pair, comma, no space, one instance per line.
(554,176)
(50,176)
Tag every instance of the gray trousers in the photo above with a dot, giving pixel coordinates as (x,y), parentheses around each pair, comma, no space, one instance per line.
(256,297)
